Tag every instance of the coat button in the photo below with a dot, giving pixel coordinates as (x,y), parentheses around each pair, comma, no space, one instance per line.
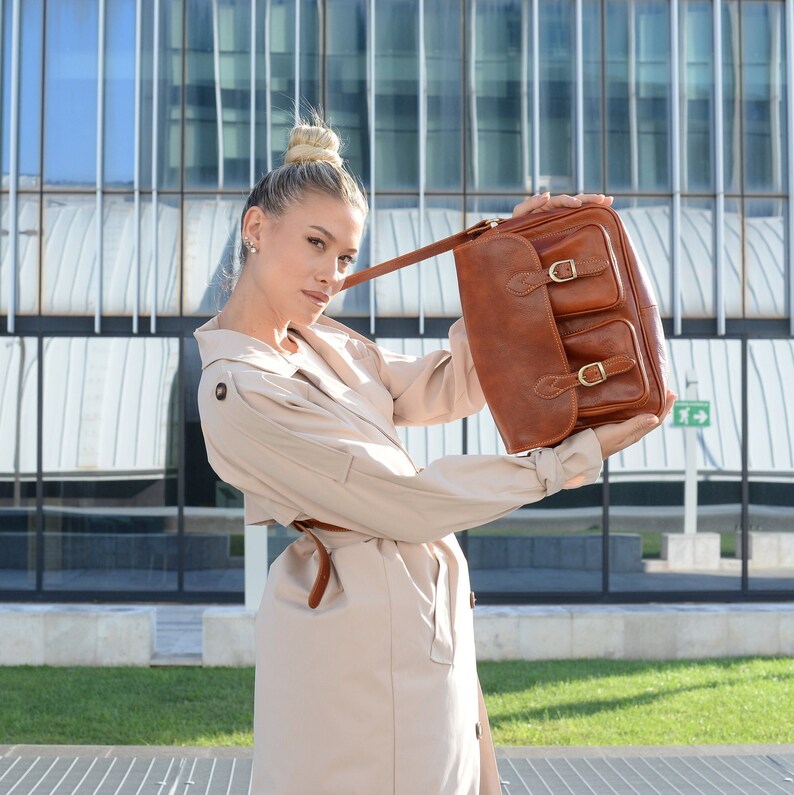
(220,390)
(472,600)
(478,729)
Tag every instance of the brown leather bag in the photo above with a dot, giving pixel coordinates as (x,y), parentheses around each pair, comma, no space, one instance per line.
(561,318)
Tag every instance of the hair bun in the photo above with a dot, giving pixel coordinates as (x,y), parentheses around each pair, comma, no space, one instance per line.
(313,143)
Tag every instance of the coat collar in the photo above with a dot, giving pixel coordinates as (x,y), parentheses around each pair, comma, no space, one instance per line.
(218,343)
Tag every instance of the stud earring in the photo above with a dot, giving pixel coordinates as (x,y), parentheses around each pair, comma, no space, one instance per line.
(249,244)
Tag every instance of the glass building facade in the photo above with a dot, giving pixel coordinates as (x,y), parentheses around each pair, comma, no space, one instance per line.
(130,134)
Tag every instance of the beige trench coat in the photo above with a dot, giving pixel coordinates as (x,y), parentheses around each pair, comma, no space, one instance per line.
(374,692)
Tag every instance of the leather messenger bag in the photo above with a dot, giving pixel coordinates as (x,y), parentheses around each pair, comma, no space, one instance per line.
(561,319)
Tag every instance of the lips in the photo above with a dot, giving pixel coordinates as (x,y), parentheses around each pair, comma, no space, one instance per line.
(321,299)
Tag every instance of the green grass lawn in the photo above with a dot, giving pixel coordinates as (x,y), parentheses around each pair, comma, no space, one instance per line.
(583,702)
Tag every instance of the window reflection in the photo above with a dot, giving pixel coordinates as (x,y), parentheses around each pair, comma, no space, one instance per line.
(110,413)
(18,435)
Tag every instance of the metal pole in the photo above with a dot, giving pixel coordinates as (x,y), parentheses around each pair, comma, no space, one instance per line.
(13,187)
(691,462)
(136,168)
(579,94)
(155,175)
(100,163)
(371,94)
(252,105)
(790,159)
(422,156)
(675,166)
(216,65)
(719,172)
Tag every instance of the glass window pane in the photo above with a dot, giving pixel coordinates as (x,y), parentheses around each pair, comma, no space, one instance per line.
(217,113)
(500,52)
(557,96)
(638,95)
(27,258)
(119,135)
(771,464)
(30,65)
(346,75)
(71,93)
(70,256)
(764,91)
(444,169)
(648,224)
(18,436)
(697,95)
(397,84)
(647,482)
(212,245)
(110,416)
(698,267)
(765,285)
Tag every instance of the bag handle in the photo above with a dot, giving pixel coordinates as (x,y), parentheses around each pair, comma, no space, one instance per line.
(412,257)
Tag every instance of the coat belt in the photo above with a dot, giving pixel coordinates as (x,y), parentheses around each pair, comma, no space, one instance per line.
(324,569)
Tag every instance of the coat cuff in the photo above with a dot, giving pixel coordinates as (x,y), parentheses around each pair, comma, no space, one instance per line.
(574,462)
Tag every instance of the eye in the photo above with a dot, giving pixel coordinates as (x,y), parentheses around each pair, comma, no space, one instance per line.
(317,243)
(347,259)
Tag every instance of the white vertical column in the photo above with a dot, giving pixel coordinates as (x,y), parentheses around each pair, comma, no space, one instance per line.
(472,90)
(252,102)
(216,65)
(719,171)
(775,96)
(155,151)
(675,221)
(13,197)
(268,99)
(136,169)
(371,92)
(535,97)
(790,158)
(579,94)
(422,156)
(100,163)
(631,82)
(297,60)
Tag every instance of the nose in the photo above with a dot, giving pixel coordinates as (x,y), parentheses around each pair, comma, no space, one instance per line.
(330,273)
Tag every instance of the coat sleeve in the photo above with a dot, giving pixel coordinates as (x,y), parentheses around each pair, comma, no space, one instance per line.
(441,386)
(297,458)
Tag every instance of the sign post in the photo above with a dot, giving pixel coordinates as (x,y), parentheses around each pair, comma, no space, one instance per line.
(691,414)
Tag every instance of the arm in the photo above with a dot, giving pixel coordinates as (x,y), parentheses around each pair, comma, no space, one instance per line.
(301,459)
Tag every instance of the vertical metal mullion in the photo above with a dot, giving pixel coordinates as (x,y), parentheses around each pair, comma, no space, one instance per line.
(155,175)
(790,151)
(297,59)
(605,508)
(422,156)
(216,67)
(579,94)
(252,103)
(675,166)
(13,197)
(268,99)
(719,171)
(745,468)
(631,81)
(535,97)
(136,177)
(472,92)
(371,94)
(100,163)
(526,160)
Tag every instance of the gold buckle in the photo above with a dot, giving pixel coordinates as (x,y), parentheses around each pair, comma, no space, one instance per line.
(584,382)
(559,279)
(483,225)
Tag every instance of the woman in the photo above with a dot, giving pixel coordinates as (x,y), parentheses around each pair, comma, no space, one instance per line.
(374,690)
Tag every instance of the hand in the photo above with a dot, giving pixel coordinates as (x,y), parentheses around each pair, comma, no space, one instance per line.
(619,435)
(544,202)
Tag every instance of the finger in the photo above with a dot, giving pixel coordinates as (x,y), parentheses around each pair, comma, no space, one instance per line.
(531,203)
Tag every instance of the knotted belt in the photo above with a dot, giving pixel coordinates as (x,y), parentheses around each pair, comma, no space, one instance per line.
(324,569)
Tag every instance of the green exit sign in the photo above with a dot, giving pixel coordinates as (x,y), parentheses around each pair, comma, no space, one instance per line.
(692,413)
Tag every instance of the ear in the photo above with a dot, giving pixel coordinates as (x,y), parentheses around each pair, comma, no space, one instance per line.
(254,223)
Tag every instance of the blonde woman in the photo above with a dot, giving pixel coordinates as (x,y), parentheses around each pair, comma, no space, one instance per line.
(373,690)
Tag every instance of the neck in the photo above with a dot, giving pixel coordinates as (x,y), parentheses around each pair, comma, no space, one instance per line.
(241,315)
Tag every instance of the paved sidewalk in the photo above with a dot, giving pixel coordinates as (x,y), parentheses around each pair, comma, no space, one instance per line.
(151,770)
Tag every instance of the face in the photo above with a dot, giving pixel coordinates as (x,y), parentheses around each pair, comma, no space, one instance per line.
(302,257)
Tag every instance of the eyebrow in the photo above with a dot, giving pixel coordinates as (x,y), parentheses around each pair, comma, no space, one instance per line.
(327,234)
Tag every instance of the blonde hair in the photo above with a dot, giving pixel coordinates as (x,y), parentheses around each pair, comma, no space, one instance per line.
(312,162)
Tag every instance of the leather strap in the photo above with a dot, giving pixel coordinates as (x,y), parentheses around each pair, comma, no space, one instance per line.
(324,568)
(551,386)
(412,257)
